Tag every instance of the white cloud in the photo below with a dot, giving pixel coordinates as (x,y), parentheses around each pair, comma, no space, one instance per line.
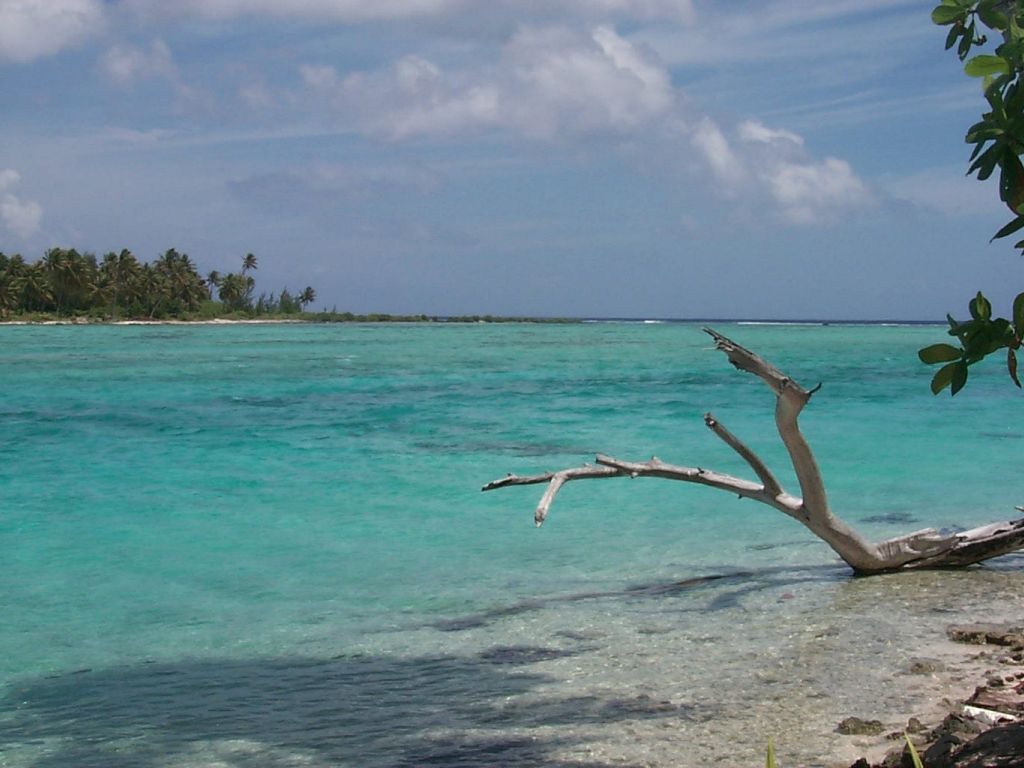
(547,82)
(125,65)
(755,132)
(353,11)
(557,81)
(811,192)
(773,162)
(410,98)
(714,147)
(550,83)
(20,216)
(30,29)
(945,190)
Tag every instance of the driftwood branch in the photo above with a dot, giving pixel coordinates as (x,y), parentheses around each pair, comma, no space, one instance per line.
(771,485)
(921,549)
(555,481)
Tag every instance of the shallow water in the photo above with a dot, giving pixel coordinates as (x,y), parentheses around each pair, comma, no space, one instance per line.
(266,545)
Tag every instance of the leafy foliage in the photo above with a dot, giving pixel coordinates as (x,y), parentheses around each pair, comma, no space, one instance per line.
(979,337)
(67,283)
(998,140)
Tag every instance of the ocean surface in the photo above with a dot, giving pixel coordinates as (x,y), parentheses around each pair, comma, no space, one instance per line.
(266,546)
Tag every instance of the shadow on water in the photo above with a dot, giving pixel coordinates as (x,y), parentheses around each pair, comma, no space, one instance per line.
(352,711)
(728,590)
(364,710)
(360,710)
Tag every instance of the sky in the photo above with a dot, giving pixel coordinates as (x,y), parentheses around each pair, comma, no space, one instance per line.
(587,158)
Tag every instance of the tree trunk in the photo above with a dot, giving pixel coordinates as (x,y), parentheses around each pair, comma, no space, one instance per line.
(921,549)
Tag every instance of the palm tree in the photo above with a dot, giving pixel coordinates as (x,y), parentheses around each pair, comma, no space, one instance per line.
(128,272)
(72,277)
(181,284)
(107,283)
(234,290)
(34,286)
(249,262)
(308,296)
(55,264)
(8,293)
(213,279)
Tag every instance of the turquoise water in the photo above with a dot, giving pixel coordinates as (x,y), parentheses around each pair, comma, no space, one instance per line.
(265,545)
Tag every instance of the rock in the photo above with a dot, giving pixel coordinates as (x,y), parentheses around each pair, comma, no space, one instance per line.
(1002,700)
(854,726)
(1001,747)
(956,724)
(987,634)
(925,667)
(915,726)
(940,754)
(897,758)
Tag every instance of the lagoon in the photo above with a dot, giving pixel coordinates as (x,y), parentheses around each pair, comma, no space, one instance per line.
(266,545)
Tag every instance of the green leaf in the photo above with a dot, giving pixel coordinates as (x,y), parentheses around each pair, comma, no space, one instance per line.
(1011,366)
(914,757)
(1018,314)
(965,43)
(1001,330)
(1009,229)
(990,17)
(939,353)
(769,761)
(954,33)
(986,162)
(985,133)
(942,378)
(1010,51)
(945,14)
(959,378)
(980,307)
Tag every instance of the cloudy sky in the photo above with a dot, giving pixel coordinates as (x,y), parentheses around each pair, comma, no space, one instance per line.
(644,158)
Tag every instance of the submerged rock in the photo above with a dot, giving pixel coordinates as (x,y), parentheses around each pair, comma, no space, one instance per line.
(925,667)
(523,654)
(987,634)
(855,726)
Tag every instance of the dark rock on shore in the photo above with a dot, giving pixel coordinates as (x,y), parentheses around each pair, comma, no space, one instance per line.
(987,731)
(1000,747)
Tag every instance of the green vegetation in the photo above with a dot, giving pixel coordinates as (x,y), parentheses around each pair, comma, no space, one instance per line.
(998,140)
(914,757)
(67,285)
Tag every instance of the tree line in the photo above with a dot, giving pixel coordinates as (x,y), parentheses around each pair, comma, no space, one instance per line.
(67,283)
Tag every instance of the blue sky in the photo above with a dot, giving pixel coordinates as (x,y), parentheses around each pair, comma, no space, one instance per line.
(642,158)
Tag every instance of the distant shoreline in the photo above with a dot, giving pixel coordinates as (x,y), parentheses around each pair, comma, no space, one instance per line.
(79,321)
(312,319)
(380,318)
